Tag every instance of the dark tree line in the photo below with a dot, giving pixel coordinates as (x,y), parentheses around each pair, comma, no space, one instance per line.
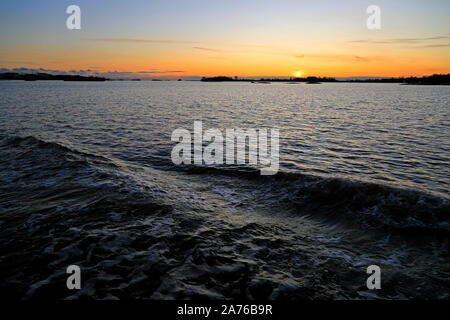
(46,76)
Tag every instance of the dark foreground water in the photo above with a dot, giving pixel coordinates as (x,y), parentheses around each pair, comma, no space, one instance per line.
(86,178)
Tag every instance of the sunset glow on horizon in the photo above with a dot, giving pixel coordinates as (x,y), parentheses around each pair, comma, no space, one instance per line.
(155,39)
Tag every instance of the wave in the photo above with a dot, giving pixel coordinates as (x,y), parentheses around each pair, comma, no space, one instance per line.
(30,143)
(336,200)
(364,204)
(39,174)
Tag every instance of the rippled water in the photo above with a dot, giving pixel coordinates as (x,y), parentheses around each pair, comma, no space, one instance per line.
(86,178)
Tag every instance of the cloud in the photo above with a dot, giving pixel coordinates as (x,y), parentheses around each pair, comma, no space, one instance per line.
(436,45)
(176,42)
(35,70)
(19,62)
(152,71)
(125,40)
(424,40)
(337,57)
(90,72)
(362,59)
(160,72)
(119,72)
(207,49)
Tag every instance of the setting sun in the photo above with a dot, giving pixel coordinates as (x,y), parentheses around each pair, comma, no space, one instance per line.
(298,74)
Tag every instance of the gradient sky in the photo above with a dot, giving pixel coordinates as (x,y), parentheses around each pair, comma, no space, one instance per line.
(235,38)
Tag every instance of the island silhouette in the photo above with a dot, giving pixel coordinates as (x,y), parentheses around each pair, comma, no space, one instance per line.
(435,79)
(46,76)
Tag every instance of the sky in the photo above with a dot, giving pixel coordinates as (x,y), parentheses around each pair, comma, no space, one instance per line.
(245,38)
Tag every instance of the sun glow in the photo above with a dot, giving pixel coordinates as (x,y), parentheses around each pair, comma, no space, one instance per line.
(298,74)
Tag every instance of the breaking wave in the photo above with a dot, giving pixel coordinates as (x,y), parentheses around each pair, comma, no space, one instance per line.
(333,199)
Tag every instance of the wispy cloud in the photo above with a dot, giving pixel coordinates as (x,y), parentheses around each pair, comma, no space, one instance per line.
(436,45)
(18,62)
(175,42)
(152,71)
(362,59)
(160,72)
(207,49)
(337,57)
(37,70)
(424,41)
(126,40)
(92,72)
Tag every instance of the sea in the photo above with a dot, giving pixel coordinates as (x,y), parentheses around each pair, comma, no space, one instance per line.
(86,179)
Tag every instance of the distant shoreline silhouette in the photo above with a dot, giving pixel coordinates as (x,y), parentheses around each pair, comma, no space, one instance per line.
(46,76)
(436,79)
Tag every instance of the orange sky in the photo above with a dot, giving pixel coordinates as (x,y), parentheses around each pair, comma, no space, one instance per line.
(325,39)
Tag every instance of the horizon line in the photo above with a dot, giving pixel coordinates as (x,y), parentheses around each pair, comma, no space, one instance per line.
(155,74)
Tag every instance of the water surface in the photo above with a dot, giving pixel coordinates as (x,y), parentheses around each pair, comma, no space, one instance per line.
(86,178)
